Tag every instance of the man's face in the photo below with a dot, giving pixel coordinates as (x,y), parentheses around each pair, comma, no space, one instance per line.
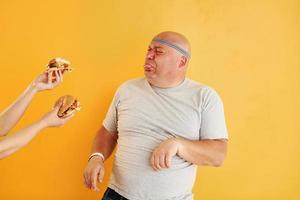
(161,62)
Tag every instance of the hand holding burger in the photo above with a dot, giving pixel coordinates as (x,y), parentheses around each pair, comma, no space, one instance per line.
(57,65)
(53,76)
(64,109)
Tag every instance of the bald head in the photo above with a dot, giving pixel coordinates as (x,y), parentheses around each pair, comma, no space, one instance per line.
(175,38)
(167,59)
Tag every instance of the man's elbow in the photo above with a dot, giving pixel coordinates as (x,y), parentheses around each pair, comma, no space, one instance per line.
(213,161)
(220,154)
(219,160)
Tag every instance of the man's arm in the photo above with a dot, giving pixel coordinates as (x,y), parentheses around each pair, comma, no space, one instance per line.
(104,142)
(203,152)
(209,152)
(10,116)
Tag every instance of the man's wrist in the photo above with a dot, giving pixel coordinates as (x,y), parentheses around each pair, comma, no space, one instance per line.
(179,144)
(98,155)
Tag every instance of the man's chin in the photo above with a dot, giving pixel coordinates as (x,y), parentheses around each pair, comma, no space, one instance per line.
(149,75)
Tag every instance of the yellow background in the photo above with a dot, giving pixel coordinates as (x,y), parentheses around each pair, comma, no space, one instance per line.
(249,51)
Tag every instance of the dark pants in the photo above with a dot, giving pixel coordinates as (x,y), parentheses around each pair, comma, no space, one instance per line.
(110,194)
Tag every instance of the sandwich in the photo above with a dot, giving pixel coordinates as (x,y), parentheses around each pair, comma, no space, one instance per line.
(57,64)
(69,106)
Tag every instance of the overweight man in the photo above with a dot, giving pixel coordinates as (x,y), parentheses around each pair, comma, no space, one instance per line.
(164,125)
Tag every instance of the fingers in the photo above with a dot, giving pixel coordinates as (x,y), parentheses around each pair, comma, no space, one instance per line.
(58,79)
(49,79)
(92,174)
(61,75)
(101,175)
(71,113)
(152,162)
(159,161)
(162,162)
(94,182)
(155,160)
(58,105)
(65,120)
(49,74)
(87,179)
(58,76)
(168,160)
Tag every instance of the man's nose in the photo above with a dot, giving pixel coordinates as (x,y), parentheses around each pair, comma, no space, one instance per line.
(150,55)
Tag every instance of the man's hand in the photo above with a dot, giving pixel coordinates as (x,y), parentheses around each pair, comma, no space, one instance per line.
(94,172)
(51,118)
(163,153)
(43,83)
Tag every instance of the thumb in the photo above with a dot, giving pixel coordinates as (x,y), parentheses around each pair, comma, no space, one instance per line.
(101,175)
(58,105)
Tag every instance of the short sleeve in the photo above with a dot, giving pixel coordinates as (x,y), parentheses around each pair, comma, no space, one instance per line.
(213,125)
(111,119)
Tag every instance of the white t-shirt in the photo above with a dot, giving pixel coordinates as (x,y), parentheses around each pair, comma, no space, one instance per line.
(144,116)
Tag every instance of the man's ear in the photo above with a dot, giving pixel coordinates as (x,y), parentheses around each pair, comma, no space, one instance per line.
(183,61)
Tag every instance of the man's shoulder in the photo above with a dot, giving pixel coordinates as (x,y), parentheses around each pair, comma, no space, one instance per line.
(197,85)
(132,83)
(202,88)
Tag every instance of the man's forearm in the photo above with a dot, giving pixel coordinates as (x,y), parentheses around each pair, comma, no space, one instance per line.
(15,111)
(104,142)
(203,152)
(14,142)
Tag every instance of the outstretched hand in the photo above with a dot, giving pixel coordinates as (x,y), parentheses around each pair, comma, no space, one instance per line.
(43,83)
(51,118)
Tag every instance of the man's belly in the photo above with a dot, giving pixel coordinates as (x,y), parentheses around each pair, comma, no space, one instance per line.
(133,175)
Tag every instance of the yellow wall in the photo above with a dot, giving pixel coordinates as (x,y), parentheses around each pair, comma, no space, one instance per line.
(249,51)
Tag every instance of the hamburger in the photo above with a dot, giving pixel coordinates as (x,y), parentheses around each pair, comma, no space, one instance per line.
(57,64)
(69,106)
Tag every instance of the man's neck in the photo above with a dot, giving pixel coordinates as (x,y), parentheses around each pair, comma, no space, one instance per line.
(166,84)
